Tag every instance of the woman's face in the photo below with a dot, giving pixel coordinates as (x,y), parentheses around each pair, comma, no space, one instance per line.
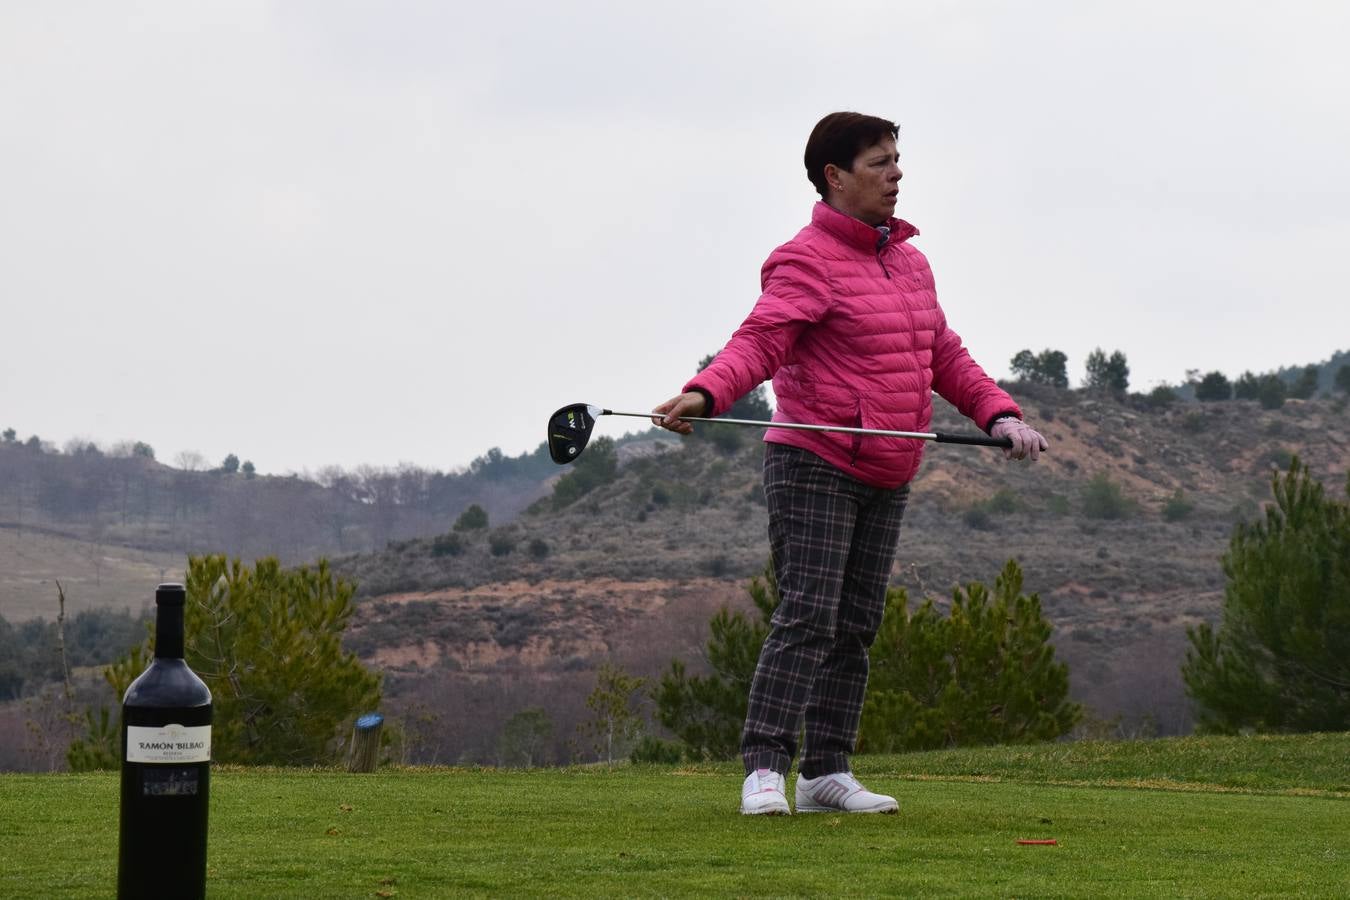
(869,191)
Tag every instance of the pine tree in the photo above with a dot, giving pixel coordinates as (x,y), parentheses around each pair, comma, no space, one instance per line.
(474,518)
(1023,365)
(1271,391)
(1047,367)
(267,642)
(1305,385)
(1107,373)
(1247,387)
(985,674)
(615,724)
(1214,386)
(1280,660)
(1053,368)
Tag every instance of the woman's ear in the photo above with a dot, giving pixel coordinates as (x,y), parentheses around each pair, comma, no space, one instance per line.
(832,173)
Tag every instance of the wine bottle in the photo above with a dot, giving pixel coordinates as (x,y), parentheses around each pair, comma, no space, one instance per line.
(166,761)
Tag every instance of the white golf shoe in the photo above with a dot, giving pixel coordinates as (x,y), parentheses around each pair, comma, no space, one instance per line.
(840,792)
(764,794)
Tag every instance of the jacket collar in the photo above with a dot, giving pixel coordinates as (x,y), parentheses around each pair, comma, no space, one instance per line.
(857,233)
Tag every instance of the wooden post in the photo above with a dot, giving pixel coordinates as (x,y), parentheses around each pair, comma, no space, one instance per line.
(365,754)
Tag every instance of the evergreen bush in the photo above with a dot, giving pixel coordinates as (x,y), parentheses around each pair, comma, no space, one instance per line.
(448,544)
(1177,507)
(1103,499)
(1280,659)
(268,643)
(1215,386)
(473,518)
(501,542)
(598,465)
(651,750)
(977,517)
(984,674)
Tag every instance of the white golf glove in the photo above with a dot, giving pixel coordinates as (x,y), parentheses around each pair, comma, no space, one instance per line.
(1026,441)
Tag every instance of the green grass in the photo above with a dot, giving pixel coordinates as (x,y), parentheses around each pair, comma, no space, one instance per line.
(1189,817)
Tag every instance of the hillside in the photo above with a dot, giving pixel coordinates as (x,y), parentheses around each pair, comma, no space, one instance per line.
(94,575)
(86,517)
(473,626)
(633,569)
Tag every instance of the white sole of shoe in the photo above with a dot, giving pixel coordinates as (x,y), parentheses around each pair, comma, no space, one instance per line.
(771,811)
(883,809)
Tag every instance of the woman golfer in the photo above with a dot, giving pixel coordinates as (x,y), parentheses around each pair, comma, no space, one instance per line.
(850,330)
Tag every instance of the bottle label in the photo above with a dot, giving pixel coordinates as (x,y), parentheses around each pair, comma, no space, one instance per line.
(168,744)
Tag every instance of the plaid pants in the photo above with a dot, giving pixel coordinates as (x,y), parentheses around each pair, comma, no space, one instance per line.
(833,540)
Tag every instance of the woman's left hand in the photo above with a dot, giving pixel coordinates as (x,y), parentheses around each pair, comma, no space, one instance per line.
(1026,441)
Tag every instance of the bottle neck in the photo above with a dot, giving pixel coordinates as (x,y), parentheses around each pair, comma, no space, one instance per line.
(169,632)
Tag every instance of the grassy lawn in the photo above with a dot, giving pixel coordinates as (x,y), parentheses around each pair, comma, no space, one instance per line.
(1190,817)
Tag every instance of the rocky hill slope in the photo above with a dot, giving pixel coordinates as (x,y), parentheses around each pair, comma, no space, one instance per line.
(106,524)
(1120,529)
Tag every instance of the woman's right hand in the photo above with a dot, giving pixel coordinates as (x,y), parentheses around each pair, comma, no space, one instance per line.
(667,415)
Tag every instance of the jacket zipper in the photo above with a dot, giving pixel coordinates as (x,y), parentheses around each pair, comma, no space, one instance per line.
(881,262)
(857,423)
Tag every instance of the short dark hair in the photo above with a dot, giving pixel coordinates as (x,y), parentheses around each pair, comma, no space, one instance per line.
(839,138)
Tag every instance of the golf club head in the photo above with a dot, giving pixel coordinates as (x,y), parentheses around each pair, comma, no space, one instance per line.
(568,431)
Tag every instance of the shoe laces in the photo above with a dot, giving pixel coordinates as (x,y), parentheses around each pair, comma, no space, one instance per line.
(848,779)
(766,779)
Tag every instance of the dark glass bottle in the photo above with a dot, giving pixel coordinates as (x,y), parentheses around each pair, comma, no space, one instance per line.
(166,762)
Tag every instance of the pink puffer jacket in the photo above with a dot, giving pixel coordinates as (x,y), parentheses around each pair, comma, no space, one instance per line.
(850,330)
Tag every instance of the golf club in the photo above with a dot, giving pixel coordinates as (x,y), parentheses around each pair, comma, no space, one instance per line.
(570,428)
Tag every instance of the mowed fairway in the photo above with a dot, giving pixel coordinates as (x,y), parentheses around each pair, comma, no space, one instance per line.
(1191,817)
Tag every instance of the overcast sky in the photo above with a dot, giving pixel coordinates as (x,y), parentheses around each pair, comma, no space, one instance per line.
(317,233)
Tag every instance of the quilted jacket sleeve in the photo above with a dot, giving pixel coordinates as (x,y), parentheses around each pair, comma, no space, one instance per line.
(961,381)
(796,294)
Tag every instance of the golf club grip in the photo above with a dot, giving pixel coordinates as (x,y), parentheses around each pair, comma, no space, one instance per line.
(972,440)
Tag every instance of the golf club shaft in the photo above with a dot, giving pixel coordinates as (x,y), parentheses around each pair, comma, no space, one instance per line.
(838,429)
